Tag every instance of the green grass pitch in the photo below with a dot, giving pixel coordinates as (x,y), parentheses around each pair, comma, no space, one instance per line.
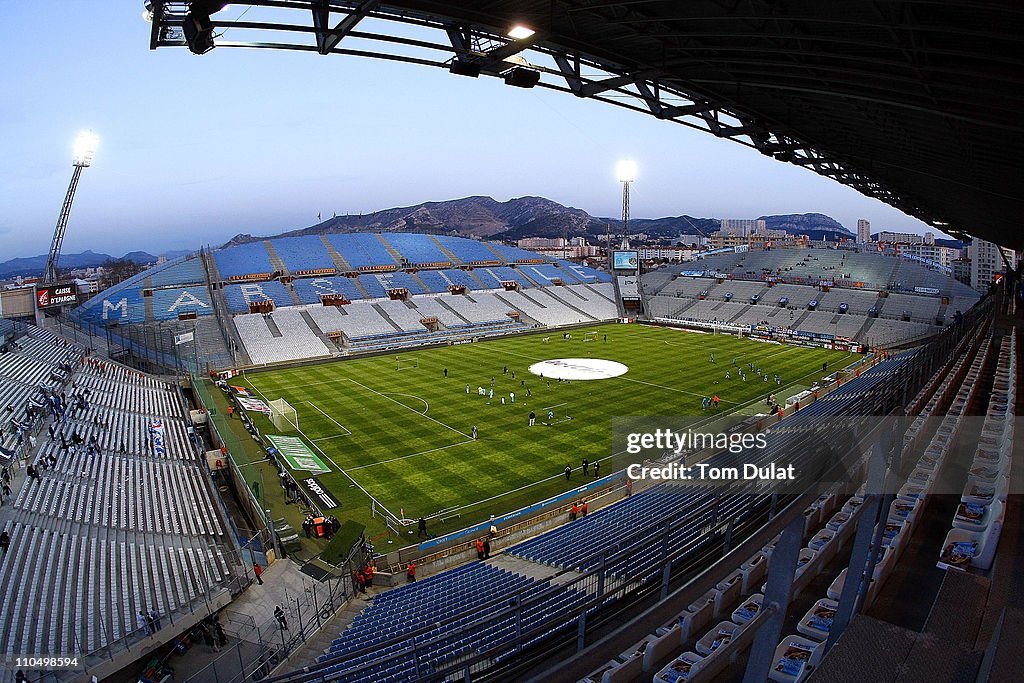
(404,435)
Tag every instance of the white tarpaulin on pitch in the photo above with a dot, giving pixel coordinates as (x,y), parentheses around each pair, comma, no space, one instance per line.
(578,368)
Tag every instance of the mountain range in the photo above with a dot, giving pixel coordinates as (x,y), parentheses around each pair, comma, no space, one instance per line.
(33,266)
(479,217)
(537,217)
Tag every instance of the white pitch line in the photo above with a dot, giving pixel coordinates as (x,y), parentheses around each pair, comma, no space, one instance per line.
(410,409)
(394,393)
(317,408)
(411,455)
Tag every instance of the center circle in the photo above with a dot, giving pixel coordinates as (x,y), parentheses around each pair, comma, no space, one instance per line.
(578,368)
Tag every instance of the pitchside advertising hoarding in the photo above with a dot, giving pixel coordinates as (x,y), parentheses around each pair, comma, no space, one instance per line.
(625,260)
(58,294)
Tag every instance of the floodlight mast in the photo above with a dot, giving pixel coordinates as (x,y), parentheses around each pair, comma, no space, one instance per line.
(84,149)
(626,172)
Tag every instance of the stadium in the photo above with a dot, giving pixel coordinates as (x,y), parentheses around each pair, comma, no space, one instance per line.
(393,456)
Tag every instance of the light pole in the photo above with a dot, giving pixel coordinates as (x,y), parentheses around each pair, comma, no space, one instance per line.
(84,149)
(626,172)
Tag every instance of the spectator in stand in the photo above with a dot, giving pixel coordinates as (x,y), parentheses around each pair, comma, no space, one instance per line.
(487,548)
(479,548)
(583,509)
(5,542)
(258,571)
(573,512)
(368,576)
(410,572)
(143,622)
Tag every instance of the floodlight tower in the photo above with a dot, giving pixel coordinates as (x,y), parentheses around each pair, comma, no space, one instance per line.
(626,172)
(84,149)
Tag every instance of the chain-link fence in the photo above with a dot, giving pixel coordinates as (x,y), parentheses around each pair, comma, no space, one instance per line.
(255,648)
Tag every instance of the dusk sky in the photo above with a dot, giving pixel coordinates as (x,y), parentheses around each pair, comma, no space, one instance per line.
(196,149)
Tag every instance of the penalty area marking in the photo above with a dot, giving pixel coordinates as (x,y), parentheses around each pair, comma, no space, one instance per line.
(426,406)
(374,391)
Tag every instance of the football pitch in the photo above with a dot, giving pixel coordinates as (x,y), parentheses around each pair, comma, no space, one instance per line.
(396,429)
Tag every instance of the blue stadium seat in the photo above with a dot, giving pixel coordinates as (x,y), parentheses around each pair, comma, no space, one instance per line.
(487,277)
(309,290)
(583,274)
(435,280)
(361,250)
(545,274)
(468,250)
(169,303)
(303,253)
(239,296)
(245,259)
(417,249)
(373,286)
(505,274)
(118,304)
(188,271)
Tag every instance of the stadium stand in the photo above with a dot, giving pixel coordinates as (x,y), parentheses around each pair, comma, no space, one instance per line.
(429,306)
(244,260)
(508,274)
(468,251)
(185,271)
(283,336)
(417,250)
(239,297)
(303,254)
(438,281)
(858,310)
(479,308)
(92,551)
(168,304)
(310,290)
(402,315)
(362,250)
(300,271)
(399,280)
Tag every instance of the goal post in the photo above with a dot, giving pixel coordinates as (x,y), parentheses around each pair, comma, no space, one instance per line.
(284,416)
(406,363)
(589,336)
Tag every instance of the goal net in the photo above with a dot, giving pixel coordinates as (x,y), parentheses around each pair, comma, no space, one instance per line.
(406,363)
(589,336)
(284,417)
(553,415)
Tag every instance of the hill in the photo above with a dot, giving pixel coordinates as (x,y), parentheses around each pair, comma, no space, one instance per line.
(817,226)
(33,266)
(534,217)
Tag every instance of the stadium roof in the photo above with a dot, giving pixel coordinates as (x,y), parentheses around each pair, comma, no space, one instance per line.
(916,102)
